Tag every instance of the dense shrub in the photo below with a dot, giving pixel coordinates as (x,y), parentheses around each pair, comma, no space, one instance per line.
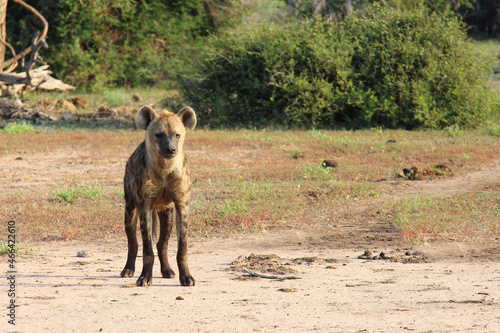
(125,42)
(388,68)
(102,43)
(140,42)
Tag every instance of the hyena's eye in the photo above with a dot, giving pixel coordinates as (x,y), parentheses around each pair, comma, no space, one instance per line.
(159,135)
(177,136)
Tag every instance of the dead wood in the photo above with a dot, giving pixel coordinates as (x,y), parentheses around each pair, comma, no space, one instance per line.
(39,78)
(274,277)
(12,110)
(39,38)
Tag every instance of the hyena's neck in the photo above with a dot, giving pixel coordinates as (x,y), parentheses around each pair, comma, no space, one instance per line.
(166,168)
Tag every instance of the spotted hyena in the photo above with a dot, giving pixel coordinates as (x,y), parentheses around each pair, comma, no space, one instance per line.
(157,186)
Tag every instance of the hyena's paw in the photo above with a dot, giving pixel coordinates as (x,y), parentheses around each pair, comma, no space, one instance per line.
(127,272)
(144,280)
(187,280)
(167,273)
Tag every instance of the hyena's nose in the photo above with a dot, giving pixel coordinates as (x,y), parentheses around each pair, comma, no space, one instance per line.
(168,150)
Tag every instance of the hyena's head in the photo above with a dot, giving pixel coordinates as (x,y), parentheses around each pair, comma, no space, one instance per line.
(165,131)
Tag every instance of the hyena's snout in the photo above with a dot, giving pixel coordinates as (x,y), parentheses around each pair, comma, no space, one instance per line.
(167,147)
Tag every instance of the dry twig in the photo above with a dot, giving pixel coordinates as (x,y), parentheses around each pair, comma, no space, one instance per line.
(274,277)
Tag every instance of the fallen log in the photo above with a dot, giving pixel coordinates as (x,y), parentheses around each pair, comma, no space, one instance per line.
(39,78)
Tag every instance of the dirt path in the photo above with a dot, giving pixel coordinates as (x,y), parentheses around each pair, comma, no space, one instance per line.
(441,292)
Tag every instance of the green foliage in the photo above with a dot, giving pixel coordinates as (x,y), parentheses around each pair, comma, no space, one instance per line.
(19,128)
(22,24)
(391,69)
(116,97)
(70,194)
(494,130)
(124,42)
(99,44)
(6,248)
(432,5)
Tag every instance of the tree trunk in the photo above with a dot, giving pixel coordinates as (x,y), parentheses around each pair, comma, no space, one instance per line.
(3,29)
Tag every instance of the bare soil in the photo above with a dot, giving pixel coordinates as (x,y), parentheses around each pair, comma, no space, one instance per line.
(349,278)
(445,288)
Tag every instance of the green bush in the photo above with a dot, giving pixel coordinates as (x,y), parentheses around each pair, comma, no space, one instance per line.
(389,68)
(19,128)
(125,42)
(119,43)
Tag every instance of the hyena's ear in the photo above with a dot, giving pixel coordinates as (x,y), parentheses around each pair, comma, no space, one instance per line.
(144,117)
(188,118)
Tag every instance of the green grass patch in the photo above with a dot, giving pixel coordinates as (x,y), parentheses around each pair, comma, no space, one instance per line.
(21,248)
(19,128)
(70,194)
(117,97)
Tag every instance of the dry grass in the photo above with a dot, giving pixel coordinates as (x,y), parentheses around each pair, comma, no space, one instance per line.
(472,216)
(243,180)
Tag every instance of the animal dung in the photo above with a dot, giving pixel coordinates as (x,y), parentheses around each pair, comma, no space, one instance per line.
(329,164)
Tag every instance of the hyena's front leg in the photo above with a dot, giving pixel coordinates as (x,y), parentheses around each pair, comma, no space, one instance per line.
(145,216)
(131,231)
(181,218)
(166,218)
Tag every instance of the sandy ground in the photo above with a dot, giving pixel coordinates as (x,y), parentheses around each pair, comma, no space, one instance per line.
(449,288)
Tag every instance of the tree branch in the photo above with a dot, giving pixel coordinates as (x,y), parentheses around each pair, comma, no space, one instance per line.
(40,38)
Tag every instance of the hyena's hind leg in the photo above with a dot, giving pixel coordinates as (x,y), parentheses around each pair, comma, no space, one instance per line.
(181,216)
(131,231)
(166,218)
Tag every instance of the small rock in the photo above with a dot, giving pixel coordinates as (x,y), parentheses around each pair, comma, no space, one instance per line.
(391,141)
(179,298)
(137,98)
(84,254)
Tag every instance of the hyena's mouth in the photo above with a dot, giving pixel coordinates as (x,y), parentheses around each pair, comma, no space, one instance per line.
(168,155)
